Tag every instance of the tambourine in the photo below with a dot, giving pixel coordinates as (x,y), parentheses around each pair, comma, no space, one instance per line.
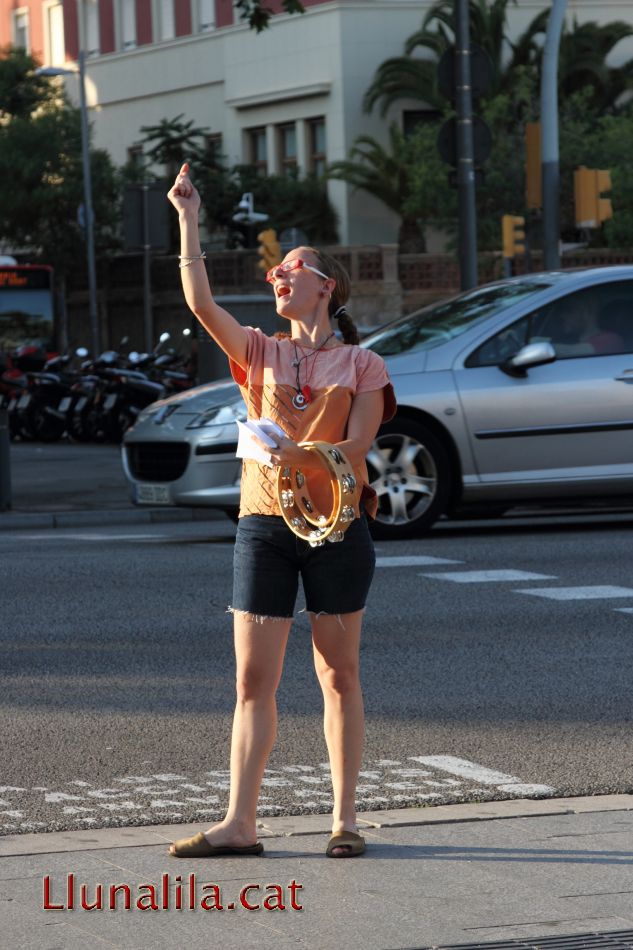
(299,511)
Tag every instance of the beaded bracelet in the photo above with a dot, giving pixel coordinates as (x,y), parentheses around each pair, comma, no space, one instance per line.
(188,260)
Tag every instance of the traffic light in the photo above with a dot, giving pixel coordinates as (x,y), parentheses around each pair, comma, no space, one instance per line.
(513,232)
(269,249)
(591,209)
(533,179)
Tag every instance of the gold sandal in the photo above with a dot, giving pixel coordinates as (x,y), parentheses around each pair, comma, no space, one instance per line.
(354,843)
(198,847)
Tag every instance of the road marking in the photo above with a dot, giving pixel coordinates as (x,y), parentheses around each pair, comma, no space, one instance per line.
(413,560)
(578,593)
(481,774)
(624,610)
(60,535)
(482,577)
(160,798)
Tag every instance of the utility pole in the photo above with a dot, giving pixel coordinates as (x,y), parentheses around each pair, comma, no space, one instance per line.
(465,150)
(549,137)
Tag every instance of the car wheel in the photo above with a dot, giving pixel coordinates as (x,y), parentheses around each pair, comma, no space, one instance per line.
(409,470)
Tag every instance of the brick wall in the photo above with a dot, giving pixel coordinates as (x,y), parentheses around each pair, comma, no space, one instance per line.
(384,286)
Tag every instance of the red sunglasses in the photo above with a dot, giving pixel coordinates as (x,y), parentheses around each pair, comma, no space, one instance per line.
(291,265)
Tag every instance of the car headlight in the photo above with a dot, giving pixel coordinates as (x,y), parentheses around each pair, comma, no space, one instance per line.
(219,416)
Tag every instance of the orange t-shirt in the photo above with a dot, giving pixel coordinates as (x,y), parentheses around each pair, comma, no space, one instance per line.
(268,383)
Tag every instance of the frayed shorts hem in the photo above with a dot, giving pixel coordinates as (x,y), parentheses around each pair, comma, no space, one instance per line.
(258,618)
(261,618)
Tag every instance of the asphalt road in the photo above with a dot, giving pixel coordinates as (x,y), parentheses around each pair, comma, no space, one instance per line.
(116,673)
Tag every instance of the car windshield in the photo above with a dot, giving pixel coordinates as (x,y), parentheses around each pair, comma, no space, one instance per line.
(438,323)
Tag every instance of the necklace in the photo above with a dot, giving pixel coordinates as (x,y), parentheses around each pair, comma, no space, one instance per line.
(303,395)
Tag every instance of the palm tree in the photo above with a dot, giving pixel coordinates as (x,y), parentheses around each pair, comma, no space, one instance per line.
(414,78)
(383,173)
(583,54)
(175,142)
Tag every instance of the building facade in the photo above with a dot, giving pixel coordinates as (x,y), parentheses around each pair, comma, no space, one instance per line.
(288,98)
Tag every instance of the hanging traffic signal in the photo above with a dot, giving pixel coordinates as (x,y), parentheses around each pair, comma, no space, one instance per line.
(533,175)
(591,209)
(269,249)
(513,234)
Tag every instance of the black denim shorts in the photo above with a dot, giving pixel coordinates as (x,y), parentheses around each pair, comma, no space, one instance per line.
(268,558)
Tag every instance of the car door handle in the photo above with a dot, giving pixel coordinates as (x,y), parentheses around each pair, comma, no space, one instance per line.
(626,377)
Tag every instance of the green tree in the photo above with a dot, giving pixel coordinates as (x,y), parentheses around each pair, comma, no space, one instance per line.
(174,141)
(412,77)
(290,201)
(586,138)
(597,141)
(21,90)
(583,63)
(584,50)
(258,15)
(41,160)
(385,173)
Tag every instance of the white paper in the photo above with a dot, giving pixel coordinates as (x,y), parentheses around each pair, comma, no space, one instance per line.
(267,430)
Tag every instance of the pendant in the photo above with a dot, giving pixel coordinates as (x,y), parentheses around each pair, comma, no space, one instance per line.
(301,400)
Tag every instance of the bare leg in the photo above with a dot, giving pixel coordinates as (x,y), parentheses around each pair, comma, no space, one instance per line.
(336,660)
(259,655)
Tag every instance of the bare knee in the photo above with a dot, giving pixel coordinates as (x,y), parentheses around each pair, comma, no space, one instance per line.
(252,685)
(340,680)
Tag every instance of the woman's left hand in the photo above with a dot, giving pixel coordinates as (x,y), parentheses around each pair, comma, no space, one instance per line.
(290,453)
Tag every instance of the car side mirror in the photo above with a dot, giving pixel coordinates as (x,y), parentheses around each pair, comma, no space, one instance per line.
(534,354)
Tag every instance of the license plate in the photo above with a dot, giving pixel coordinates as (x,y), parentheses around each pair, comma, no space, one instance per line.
(81,402)
(24,401)
(64,405)
(153,494)
(110,401)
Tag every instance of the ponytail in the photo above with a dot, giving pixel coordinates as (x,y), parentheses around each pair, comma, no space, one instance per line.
(347,326)
(340,295)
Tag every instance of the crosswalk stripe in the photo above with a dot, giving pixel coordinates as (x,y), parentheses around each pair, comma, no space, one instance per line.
(481,774)
(480,577)
(413,560)
(578,593)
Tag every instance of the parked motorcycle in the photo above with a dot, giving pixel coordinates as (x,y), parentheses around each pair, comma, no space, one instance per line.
(97,400)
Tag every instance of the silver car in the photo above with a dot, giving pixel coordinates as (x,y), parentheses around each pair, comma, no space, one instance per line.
(514,392)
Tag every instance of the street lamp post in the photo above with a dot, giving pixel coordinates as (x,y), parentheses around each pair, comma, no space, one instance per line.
(80,71)
(549,139)
(89,222)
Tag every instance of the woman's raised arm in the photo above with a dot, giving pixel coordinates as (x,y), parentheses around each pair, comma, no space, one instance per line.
(224,328)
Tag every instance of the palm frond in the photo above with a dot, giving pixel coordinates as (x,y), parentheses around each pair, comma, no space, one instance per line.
(403,77)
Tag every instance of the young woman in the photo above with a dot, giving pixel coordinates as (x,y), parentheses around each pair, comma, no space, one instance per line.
(315,388)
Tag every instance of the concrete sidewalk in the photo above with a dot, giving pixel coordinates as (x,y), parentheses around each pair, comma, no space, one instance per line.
(485,874)
(65,485)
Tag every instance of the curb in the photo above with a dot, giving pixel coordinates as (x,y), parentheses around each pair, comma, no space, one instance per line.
(10,521)
(63,842)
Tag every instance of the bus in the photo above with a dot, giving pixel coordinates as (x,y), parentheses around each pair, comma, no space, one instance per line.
(26,306)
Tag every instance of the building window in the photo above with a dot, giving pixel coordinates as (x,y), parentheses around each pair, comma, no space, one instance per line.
(164,19)
(127,19)
(288,149)
(257,149)
(316,155)
(91,35)
(135,156)
(54,34)
(21,28)
(206,15)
